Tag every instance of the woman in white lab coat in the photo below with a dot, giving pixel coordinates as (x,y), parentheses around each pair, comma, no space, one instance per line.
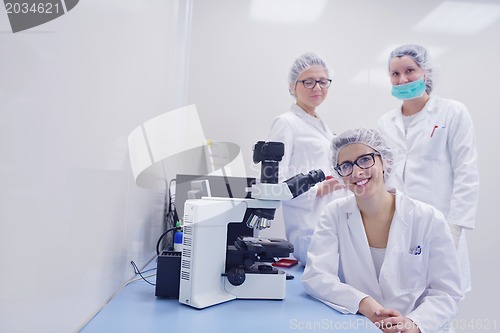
(306,139)
(436,142)
(381,253)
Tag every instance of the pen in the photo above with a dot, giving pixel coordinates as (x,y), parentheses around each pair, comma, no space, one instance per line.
(432,133)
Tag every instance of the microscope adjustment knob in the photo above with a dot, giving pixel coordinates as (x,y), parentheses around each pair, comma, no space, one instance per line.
(236,276)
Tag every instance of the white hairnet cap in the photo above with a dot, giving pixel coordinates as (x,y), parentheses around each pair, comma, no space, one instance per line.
(421,56)
(303,63)
(370,137)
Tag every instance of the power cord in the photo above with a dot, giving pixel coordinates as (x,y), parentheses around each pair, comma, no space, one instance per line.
(137,271)
(162,236)
(170,219)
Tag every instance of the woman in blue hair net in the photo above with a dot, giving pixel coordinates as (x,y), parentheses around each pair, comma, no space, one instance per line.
(436,143)
(306,138)
(380,253)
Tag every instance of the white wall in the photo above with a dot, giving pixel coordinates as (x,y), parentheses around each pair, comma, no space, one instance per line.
(71,217)
(71,91)
(239,67)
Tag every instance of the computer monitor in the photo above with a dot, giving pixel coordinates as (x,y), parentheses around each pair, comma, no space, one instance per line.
(220,186)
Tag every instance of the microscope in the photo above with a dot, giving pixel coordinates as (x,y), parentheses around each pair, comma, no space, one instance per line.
(212,271)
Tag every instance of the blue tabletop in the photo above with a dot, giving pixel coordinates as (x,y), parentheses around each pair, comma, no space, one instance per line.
(136,309)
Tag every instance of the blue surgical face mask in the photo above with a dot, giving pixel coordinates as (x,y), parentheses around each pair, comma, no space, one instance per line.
(409,90)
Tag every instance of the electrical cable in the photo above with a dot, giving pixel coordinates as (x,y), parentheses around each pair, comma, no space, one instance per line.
(161,237)
(171,217)
(137,271)
(139,278)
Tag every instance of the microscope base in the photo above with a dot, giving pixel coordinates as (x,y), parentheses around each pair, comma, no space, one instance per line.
(259,286)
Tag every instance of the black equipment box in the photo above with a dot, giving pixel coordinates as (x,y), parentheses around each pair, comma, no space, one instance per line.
(167,274)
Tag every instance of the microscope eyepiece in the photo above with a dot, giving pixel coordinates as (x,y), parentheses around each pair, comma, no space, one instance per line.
(301,183)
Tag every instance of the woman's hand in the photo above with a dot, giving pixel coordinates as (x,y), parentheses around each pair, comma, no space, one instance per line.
(329,185)
(394,322)
(369,308)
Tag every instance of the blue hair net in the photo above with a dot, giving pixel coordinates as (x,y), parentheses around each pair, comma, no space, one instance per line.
(370,137)
(421,56)
(303,63)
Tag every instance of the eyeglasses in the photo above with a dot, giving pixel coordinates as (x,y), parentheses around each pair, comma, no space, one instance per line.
(364,162)
(323,83)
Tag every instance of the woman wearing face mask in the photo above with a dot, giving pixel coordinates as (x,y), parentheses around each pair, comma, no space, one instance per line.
(436,141)
(306,139)
(381,253)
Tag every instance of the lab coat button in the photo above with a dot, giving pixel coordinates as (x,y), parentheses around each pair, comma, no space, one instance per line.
(387,276)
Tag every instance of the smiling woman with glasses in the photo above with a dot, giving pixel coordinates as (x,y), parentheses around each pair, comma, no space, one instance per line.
(307,142)
(364,162)
(396,254)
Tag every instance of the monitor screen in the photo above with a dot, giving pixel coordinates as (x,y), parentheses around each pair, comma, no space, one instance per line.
(220,186)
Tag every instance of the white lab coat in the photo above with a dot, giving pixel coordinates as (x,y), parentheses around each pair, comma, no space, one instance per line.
(307,143)
(425,287)
(438,164)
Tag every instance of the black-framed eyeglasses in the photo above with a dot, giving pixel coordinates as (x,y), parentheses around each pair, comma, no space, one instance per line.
(309,83)
(364,162)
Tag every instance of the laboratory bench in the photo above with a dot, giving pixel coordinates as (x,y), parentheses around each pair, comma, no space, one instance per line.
(136,309)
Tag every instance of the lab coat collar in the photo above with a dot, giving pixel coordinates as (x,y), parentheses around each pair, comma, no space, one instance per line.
(402,214)
(300,112)
(396,242)
(350,206)
(403,205)
(357,229)
(315,122)
(397,119)
(430,107)
(432,104)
